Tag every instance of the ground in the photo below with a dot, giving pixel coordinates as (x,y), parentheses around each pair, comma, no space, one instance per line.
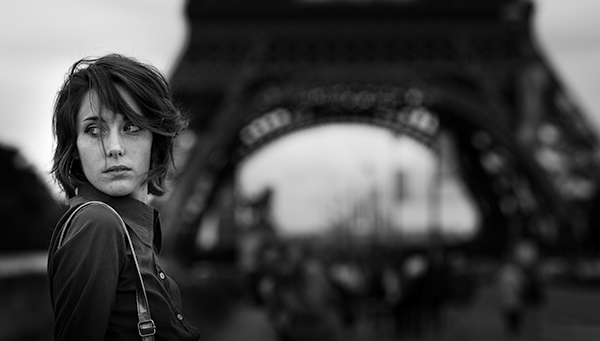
(571,314)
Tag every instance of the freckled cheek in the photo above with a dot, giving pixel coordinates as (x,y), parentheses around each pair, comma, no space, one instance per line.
(89,153)
(148,151)
(145,155)
(147,158)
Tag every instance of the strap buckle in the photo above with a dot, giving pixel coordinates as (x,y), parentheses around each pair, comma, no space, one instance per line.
(146,328)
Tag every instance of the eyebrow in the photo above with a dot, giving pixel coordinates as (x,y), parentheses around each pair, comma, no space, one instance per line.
(98,118)
(92,118)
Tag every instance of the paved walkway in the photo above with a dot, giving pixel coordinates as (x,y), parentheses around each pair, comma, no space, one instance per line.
(570,315)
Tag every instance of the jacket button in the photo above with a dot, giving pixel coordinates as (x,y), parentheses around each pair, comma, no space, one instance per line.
(179,317)
(162,275)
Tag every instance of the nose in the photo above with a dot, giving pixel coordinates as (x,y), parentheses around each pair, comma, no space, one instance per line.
(113,145)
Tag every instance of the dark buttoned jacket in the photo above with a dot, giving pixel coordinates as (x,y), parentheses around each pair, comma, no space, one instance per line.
(92,275)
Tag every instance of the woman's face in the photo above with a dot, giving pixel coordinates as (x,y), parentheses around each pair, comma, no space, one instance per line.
(114,153)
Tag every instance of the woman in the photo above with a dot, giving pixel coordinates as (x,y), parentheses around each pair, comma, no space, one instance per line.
(115,126)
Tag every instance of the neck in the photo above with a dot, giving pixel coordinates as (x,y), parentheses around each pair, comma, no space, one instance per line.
(141,194)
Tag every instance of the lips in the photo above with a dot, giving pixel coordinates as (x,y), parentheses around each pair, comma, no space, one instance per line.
(117,169)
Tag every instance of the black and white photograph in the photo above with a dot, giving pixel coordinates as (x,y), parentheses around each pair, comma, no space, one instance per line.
(286,170)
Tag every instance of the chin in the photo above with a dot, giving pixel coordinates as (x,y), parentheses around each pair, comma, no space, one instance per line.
(118,191)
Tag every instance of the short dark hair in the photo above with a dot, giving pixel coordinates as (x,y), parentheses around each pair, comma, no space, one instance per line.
(148,88)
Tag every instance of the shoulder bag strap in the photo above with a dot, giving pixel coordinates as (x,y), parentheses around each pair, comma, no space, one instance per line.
(146,326)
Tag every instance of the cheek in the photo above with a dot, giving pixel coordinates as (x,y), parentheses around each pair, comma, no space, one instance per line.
(89,153)
(148,158)
(82,149)
(146,153)
(81,152)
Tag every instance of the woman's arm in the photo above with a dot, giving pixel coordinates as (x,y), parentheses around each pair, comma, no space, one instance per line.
(86,275)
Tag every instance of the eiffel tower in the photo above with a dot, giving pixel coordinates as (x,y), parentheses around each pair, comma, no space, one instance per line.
(254,71)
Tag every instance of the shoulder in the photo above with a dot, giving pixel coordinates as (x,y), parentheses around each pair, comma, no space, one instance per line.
(94,218)
(97,210)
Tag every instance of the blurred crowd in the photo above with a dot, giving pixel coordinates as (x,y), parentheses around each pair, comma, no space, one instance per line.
(310,297)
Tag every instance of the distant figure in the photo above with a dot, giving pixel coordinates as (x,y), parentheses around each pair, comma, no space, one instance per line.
(511,281)
(436,287)
(461,293)
(522,290)
(533,291)
(348,280)
(408,311)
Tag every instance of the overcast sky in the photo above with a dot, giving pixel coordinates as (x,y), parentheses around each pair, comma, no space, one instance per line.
(40,39)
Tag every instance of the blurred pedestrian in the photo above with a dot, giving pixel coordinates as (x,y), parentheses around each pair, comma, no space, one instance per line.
(408,311)
(522,291)
(461,291)
(115,127)
(511,281)
(533,291)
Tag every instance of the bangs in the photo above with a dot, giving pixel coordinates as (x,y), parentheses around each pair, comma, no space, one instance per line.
(111,98)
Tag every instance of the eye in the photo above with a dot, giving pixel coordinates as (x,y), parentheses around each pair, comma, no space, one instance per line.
(132,128)
(93,130)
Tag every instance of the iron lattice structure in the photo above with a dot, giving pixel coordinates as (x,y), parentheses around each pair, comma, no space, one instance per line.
(256,70)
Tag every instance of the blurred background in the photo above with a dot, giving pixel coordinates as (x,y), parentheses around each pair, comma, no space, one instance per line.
(358,169)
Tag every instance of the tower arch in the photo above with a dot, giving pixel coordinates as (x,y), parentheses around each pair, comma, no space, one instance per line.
(255,72)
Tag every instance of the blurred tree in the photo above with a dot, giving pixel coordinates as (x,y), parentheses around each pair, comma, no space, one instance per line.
(29,211)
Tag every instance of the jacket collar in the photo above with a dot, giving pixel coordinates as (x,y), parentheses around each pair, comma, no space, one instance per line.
(144,220)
